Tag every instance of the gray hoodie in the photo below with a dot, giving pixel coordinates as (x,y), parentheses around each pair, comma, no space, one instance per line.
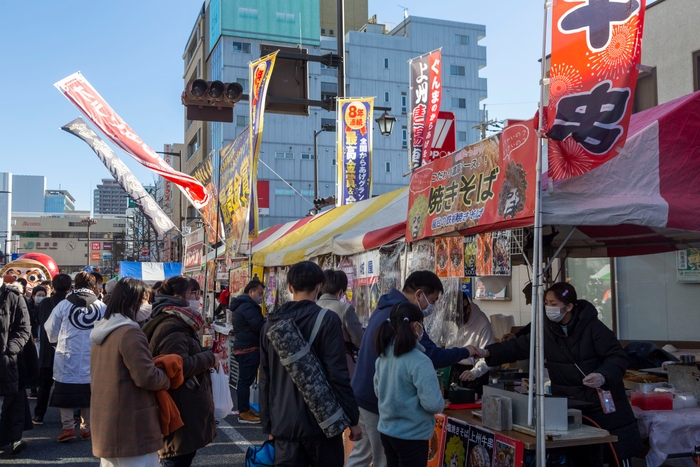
(104,327)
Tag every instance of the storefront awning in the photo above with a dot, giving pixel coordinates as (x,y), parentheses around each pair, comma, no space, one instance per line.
(343,231)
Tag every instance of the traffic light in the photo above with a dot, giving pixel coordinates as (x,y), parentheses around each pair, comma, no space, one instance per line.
(212,101)
(320,203)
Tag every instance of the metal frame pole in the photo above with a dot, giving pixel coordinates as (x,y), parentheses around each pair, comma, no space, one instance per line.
(537,291)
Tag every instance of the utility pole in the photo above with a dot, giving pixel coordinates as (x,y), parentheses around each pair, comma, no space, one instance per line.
(483,127)
(89,222)
(340,7)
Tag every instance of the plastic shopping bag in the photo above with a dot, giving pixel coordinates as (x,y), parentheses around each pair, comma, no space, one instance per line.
(221,392)
(261,456)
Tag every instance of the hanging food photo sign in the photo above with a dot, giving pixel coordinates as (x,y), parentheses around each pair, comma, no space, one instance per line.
(490,183)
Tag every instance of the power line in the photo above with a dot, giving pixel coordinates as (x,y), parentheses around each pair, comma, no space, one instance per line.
(288,184)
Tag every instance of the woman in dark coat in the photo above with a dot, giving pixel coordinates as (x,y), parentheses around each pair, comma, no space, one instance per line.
(173,329)
(573,336)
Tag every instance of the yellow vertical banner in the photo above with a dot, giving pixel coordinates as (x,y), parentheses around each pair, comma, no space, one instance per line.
(260,72)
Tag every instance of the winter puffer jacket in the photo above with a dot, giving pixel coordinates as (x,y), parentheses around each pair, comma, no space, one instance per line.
(247,321)
(168,334)
(283,412)
(15,332)
(595,349)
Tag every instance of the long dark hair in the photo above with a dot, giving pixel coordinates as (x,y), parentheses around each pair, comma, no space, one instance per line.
(127,297)
(398,328)
(178,285)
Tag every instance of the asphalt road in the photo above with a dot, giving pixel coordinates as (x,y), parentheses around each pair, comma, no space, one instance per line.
(228,448)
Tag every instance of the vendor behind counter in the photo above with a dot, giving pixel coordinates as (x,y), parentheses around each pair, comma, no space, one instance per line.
(582,355)
(475,331)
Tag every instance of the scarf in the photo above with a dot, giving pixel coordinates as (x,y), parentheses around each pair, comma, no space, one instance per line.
(189,317)
(168,413)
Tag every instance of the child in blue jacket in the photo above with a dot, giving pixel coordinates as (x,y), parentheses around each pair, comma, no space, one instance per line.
(407,388)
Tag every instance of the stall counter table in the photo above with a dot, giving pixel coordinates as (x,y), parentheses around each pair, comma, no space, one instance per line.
(596,436)
(669,432)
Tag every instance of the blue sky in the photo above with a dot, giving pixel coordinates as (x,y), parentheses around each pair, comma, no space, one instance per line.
(131,52)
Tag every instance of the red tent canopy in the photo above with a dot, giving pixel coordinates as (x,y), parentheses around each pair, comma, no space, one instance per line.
(646,200)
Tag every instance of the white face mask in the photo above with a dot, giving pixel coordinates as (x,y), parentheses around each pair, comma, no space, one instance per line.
(194,305)
(38,300)
(429,309)
(144,312)
(422,331)
(554,313)
(259,299)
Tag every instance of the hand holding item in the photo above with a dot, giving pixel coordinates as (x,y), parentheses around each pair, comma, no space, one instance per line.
(355,433)
(476,352)
(594,380)
(507,336)
(467,376)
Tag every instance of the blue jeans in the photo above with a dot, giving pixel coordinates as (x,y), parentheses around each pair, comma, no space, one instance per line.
(247,371)
(184,460)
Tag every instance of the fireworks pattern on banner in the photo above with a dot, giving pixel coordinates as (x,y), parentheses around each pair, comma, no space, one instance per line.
(563,80)
(593,42)
(568,159)
(616,59)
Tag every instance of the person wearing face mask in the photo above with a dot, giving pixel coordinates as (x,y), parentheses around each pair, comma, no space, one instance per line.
(143,315)
(333,289)
(247,321)
(173,329)
(583,356)
(422,288)
(299,440)
(407,388)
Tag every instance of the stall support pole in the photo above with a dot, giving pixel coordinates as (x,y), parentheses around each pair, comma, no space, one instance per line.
(537,291)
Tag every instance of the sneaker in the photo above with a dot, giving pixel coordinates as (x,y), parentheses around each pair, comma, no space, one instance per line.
(84,434)
(248,417)
(66,435)
(38,420)
(18,446)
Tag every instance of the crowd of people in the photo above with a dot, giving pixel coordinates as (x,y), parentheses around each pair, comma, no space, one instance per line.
(127,361)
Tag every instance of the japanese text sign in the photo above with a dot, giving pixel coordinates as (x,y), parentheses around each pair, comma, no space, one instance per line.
(424,104)
(354,137)
(596,49)
(475,446)
(235,193)
(488,183)
(260,72)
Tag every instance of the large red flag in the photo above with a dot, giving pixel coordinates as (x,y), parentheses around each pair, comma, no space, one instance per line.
(81,93)
(596,49)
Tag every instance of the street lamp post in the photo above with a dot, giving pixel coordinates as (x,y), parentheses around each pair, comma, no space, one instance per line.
(316,133)
(88,222)
(386,123)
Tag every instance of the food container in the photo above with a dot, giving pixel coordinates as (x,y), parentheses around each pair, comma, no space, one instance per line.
(643,387)
(458,395)
(652,400)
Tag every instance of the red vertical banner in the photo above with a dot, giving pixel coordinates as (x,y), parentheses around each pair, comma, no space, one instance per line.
(596,49)
(424,104)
